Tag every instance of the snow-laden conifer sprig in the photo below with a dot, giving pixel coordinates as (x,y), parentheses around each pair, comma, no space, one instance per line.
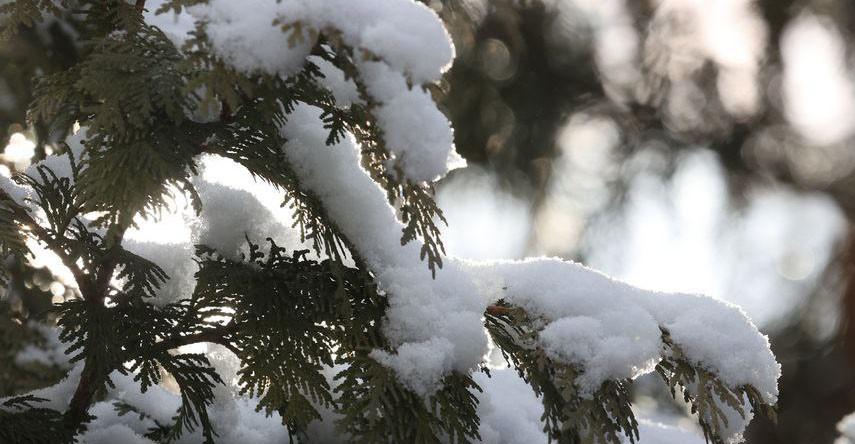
(343,330)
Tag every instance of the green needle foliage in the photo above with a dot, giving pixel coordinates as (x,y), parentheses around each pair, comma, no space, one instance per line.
(303,329)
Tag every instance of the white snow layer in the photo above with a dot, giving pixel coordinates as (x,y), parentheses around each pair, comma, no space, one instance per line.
(607,327)
(415,131)
(412,45)
(344,90)
(407,34)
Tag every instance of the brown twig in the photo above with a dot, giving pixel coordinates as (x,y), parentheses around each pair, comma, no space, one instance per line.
(140,5)
(498,310)
(94,294)
(214,336)
(112,242)
(84,394)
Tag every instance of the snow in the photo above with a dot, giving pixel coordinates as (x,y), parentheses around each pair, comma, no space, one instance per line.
(607,327)
(846,427)
(437,317)
(176,26)
(720,337)
(612,328)
(510,413)
(244,35)
(236,207)
(415,131)
(176,260)
(52,353)
(113,434)
(17,192)
(407,37)
(59,164)
(235,419)
(407,34)
(229,216)
(595,321)
(344,90)
(59,395)
(420,364)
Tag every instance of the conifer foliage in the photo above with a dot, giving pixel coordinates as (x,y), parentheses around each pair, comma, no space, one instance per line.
(361,329)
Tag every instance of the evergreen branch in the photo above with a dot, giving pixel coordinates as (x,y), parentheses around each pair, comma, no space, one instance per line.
(219,336)
(112,243)
(42,235)
(568,416)
(707,395)
(22,421)
(94,373)
(157,433)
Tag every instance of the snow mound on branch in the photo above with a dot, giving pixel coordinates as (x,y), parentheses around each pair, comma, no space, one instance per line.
(606,327)
(614,328)
(407,34)
(594,320)
(244,35)
(439,320)
(718,336)
(415,131)
(408,38)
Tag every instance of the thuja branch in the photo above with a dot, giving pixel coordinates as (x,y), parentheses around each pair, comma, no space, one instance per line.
(220,336)
(41,234)
(113,244)
(92,376)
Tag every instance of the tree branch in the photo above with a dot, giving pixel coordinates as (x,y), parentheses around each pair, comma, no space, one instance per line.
(95,294)
(42,235)
(113,243)
(214,336)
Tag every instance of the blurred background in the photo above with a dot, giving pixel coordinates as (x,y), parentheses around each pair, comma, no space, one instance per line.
(680,145)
